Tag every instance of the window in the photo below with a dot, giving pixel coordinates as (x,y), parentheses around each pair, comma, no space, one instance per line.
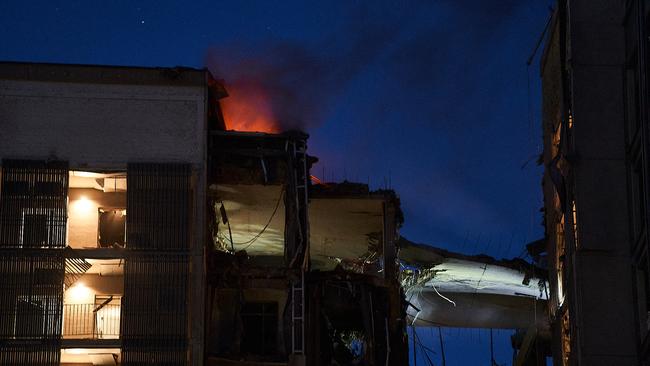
(47,276)
(36,228)
(30,316)
(260,321)
(36,317)
(111,227)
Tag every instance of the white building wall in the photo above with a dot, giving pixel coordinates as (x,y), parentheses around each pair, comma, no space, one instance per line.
(102,124)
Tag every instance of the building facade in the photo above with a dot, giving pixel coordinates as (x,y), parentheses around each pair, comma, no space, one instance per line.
(135,230)
(594,121)
(101,214)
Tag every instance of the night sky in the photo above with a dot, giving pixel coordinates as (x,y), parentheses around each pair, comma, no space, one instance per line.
(431,98)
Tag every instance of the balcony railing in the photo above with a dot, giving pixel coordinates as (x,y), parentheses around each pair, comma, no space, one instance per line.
(90,321)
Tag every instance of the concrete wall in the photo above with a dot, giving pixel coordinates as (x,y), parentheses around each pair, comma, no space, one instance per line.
(101,124)
(602,270)
(90,285)
(83,214)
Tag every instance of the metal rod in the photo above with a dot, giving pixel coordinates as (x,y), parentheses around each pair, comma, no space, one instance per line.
(492,362)
(415,352)
(442,347)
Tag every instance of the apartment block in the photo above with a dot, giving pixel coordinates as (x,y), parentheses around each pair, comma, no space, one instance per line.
(594,121)
(134,229)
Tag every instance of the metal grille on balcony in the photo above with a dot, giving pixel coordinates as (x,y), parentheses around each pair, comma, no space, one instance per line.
(33,211)
(33,204)
(156,272)
(75,267)
(90,321)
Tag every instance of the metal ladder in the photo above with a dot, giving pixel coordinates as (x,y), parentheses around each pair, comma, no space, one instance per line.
(298,286)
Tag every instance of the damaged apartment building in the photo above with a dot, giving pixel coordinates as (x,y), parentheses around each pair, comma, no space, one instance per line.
(134,229)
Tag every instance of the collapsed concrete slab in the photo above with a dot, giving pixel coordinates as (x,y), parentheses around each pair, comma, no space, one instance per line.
(453,290)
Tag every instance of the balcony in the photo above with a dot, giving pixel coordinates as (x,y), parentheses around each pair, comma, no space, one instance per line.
(89,325)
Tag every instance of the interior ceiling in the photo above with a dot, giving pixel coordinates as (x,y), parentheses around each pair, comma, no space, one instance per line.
(106,182)
(339,227)
(106,267)
(249,208)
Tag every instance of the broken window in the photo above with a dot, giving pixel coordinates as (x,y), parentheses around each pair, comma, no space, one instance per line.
(260,323)
(112,227)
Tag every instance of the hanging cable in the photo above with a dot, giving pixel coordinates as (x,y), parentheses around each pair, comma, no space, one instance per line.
(250,242)
(443,296)
(225,220)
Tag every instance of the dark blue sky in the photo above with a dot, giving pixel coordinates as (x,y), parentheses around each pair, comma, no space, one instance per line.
(430,96)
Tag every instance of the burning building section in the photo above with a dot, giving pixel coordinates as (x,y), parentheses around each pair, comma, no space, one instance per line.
(136,228)
(297,272)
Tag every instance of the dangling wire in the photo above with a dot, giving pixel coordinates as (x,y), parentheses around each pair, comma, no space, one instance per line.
(250,242)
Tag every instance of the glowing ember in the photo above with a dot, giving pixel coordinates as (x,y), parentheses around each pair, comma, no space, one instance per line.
(248,108)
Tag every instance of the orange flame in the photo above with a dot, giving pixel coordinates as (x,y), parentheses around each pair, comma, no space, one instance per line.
(248,108)
(317,181)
